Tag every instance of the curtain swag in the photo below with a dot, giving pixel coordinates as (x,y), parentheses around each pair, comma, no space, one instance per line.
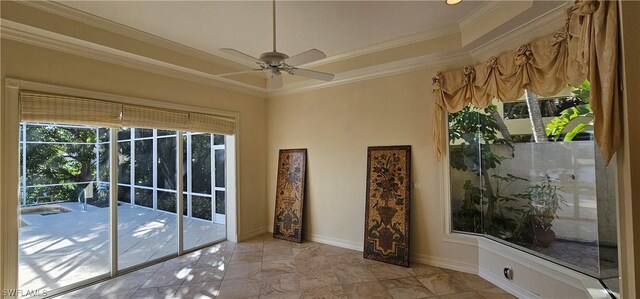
(585,48)
(49,108)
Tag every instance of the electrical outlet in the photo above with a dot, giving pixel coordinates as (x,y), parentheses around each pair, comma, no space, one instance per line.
(508,273)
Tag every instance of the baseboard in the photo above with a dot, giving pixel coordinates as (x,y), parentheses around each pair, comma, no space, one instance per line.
(334,241)
(417,258)
(254,233)
(444,263)
(506,285)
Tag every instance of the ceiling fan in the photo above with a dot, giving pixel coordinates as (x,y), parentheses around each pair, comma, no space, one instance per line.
(275,63)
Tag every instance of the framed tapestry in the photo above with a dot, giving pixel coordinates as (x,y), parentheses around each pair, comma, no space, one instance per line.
(287,224)
(386,235)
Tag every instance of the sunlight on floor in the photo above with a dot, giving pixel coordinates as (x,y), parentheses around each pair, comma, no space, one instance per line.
(60,249)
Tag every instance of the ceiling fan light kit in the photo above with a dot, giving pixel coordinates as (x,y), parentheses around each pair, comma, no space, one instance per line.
(452,2)
(275,63)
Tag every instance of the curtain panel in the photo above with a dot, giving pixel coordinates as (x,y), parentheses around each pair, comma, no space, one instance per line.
(585,48)
(49,108)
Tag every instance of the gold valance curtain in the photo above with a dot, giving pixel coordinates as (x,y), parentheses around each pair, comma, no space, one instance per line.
(49,108)
(585,48)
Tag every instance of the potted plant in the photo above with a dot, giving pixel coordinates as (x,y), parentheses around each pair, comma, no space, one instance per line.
(543,203)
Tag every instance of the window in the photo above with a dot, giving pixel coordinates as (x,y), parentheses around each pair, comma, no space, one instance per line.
(59,162)
(548,197)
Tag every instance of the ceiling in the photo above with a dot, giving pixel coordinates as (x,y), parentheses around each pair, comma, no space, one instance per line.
(362,39)
(335,27)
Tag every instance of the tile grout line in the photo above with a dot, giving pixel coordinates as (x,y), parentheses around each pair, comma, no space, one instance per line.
(152,273)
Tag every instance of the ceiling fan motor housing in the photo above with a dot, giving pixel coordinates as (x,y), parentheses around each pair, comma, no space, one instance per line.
(273,58)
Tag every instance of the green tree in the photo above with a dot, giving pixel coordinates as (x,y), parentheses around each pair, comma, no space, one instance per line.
(471,132)
(61,158)
(579,118)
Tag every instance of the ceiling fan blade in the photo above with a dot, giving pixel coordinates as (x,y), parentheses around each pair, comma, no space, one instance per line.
(313,74)
(274,81)
(240,55)
(240,73)
(305,57)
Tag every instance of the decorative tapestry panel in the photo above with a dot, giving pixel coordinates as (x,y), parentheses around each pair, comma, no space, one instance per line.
(386,236)
(290,195)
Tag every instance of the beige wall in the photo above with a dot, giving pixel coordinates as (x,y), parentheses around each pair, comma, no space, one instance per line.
(337,125)
(21,61)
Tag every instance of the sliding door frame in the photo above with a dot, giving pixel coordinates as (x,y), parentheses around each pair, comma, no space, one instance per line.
(9,181)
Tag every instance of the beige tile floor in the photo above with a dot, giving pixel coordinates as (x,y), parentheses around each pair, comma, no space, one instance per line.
(265,267)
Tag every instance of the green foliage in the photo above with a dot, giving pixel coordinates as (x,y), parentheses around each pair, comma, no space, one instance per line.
(583,92)
(201,163)
(472,123)
(504,213)
(59,162)
(544,202)
(201,207)
(484,209)
(581,113)
(56,157)
(476,129)
(468,217)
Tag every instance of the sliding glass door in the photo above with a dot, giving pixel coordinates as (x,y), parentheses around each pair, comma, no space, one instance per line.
(147,196)
(203,191)
(65,200)
(64,206)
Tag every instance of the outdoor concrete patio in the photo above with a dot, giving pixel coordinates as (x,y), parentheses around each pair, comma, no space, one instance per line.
(60,249)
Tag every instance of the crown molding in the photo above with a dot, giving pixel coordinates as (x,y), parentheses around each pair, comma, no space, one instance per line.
(544,24)
(437,60)
(479,13)
(394,43)
(46,39)
(130,32)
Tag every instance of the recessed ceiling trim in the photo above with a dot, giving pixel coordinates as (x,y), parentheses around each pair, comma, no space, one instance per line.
(46,39)
(399,42)
(108,25)
(486,21)
(546,23)
(437,60)
(479,13)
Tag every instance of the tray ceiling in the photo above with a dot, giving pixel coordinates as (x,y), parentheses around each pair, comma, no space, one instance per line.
(362,39)
(334,27)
